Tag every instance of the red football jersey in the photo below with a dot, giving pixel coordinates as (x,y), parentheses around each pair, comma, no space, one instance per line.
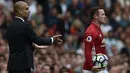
(94,39)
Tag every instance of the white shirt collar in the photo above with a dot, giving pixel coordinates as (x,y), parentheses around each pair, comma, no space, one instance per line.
(20,18)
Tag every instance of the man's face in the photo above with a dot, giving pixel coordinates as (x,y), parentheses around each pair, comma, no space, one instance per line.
(101,17)
(46,69)
(25,11)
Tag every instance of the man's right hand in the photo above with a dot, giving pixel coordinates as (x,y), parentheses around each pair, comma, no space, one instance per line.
(57,38)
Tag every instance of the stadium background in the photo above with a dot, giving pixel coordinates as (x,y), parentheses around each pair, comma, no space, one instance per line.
(70,18)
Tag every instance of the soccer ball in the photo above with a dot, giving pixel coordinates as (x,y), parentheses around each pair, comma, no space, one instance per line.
(100,60)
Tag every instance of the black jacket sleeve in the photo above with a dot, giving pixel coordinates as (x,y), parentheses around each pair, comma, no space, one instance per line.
(34,38)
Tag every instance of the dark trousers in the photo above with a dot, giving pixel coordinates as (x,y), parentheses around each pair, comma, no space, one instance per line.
(21,71)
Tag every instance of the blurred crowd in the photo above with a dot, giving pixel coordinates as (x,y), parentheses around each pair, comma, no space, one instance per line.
(70,18)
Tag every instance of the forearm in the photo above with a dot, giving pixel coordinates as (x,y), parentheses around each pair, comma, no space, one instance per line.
(39,47)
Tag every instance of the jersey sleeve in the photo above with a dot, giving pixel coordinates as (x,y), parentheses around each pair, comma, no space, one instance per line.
(89,40)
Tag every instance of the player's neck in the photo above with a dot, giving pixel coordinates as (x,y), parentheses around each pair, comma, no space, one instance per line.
(96,23)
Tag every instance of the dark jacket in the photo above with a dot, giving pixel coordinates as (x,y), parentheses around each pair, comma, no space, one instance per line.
(20,37)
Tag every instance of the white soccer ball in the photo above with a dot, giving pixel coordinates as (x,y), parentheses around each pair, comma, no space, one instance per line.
(100,60)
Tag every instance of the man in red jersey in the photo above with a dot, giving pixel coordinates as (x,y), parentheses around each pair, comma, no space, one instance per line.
(94,40)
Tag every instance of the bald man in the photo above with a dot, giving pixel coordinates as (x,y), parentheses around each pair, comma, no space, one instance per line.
(20,37)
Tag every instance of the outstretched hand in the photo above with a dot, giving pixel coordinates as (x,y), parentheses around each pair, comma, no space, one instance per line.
(57,38)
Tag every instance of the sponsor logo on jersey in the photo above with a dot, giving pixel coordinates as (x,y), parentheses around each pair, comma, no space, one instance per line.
(100,35)
(89,39)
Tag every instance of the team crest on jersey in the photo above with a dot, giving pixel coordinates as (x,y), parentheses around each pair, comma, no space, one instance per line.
(89,38)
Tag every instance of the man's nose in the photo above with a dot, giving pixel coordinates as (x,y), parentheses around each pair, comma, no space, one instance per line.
(105,16)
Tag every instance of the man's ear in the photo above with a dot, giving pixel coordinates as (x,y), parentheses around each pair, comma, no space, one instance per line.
(20,11)
(95,16)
